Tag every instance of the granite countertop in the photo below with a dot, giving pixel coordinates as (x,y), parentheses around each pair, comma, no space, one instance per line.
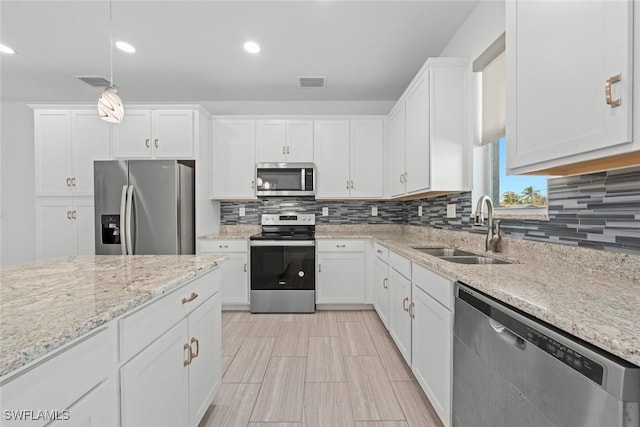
(233,232)
(46,304)
(598,307)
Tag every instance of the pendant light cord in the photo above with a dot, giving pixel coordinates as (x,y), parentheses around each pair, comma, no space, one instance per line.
(110,47)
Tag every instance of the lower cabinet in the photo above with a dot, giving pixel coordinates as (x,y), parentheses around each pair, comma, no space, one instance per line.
(91,409)
(341,272)
(235,270)
(400,322)
(381,290)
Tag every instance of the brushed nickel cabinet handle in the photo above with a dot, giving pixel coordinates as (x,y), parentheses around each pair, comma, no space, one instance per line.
(68,182)
(607,90)
(284,150)
(190,298)
(245,267)
(189,355)
(341,246)
(146,142)
(347,184)
(319,268)
(155,142)
(384,283)
(69,215)
(404,304)
(253,184)
(197,343)
(379,251)
(406,177)
(73,214)
(73,181)
(288,149)
(412,314)
(223,246)
(352,185)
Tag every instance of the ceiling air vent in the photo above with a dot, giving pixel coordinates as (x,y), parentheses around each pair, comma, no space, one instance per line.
(317,82)
(95,81)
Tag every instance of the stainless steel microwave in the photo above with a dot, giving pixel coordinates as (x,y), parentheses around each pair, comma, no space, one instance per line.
(285,179)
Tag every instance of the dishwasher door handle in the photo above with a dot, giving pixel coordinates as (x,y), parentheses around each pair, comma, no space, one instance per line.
(507,335)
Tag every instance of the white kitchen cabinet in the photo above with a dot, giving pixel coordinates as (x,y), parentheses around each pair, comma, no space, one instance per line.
(557,109)
(235,270)
(67,141)
(154,133)
(234,160)
(96,408)
(349,158)
(399,320)
(341,272)
(381,289)
(432,340)
(284,141)
(429,141)
(64,226)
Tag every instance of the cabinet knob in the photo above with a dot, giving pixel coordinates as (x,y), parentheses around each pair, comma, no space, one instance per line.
(189,355)
(190,298)
(607,91)
(197,343)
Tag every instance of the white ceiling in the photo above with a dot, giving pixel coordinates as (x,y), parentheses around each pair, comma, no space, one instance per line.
(190,51)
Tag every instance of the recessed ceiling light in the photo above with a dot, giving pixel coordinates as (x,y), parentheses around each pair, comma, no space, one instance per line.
(125,47)
(6,49)
(252,47)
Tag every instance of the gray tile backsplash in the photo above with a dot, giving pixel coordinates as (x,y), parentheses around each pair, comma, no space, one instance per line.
(600,211)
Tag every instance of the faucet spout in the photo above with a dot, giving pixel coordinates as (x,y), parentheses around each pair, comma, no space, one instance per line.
(493,227)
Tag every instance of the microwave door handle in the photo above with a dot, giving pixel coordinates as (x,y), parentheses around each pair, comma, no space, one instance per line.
(302,180)
(128,220)
(123,226)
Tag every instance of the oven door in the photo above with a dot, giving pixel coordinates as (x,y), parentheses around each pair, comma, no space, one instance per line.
(282,265)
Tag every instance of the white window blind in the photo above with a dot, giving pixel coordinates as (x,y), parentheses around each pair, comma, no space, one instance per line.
(493,100)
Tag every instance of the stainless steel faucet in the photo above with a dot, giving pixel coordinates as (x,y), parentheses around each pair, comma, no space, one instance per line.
(493,226)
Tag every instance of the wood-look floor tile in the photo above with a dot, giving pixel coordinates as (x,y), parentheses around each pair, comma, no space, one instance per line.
(293,339)
(236,316)
(350,315)
(281,396)
(372,397)
(265,328)
(297,317)
(416,406)
(325,363)
(275,424)
(327,404)
(355,339)
(232,405)
(226,362)
(233,335)
(374,324)
(250,364)
(381,424)
(324,326)
(393,362)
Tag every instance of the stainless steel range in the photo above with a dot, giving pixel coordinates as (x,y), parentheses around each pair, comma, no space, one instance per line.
(283,260)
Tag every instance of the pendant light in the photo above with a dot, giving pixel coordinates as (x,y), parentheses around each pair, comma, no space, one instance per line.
(110,107)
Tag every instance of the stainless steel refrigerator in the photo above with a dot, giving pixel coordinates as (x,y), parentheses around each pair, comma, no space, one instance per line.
(144,207)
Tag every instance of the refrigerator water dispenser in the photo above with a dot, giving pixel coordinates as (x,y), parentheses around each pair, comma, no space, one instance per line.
(110,229)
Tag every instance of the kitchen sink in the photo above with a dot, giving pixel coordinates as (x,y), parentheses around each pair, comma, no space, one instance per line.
(444,252)
(473,260)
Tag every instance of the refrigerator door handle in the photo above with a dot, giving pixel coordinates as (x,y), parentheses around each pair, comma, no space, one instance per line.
(123,227)
(129,209)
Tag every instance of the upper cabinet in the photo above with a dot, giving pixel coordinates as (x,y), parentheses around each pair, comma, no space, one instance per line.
(349,158)
(234,160)
(570,86)
(284,141)
(154,133)
(67,141)
(428,148)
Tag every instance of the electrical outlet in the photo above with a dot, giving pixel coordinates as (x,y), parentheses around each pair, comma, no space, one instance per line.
(241,211)
(374,211)
(419,210)
(451,210)
(325,211)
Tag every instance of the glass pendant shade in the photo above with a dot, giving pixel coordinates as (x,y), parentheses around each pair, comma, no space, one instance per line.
(110,107)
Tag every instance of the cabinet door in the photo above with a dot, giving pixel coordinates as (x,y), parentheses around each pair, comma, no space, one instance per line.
(381,290)
(234,166)
(556,105)
(90,137)
(300,141)
(97,408)
(432,351)
(366,170)
(132,137)
(340,278)
(418,160)
(154,384)
(235,283)
(396,151)
(84,226)
(54,228)
(205,370)
(332,158)
(399,300)
(271,141)
(52,132)
(172,134)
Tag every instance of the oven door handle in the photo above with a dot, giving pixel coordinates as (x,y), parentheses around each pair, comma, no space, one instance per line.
(282,243)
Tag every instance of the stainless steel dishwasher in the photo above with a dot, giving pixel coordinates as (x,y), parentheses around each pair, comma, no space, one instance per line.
(511,370)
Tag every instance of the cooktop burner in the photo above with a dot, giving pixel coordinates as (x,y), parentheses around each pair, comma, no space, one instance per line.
(288,226)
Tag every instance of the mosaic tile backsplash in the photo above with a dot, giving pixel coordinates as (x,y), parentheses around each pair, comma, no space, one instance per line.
(600,211)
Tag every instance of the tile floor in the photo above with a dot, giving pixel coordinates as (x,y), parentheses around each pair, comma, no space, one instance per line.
(330,368)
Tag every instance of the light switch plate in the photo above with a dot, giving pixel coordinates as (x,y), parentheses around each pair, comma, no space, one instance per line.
(325,211)
(241,211)
(451,210)
(374,211)
(419,210)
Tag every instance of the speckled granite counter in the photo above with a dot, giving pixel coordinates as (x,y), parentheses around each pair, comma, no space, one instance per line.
(593,295)
(233,232)
(45,304)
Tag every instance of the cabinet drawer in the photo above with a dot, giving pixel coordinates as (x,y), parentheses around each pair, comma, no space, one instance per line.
(340,245)
(223,246)
(63,378)
(381,252)
(143,326)
(401,264)
(438,287)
